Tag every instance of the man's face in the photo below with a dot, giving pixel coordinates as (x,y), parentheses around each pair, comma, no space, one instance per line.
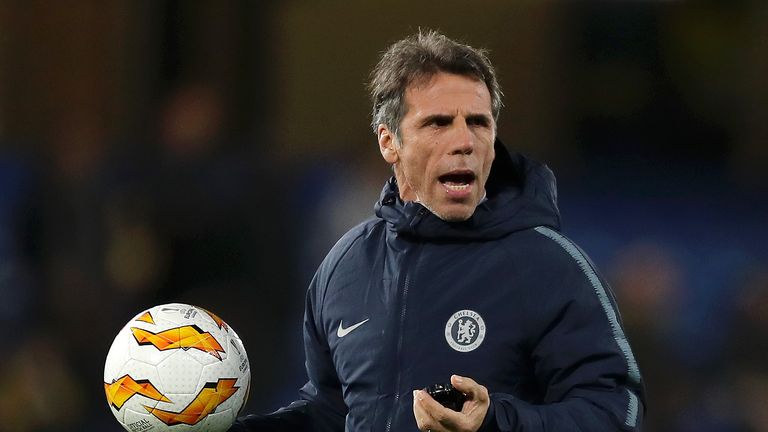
(446,151)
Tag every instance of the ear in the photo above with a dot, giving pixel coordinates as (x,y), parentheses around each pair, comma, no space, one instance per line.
(387,144)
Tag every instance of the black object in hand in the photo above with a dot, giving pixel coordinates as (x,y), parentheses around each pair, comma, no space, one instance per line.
(448,396)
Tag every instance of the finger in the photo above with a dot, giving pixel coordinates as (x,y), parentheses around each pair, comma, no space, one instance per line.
(424,420)
(469,387)
(441,417)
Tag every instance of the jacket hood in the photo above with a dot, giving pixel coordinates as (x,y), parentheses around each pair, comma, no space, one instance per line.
(520,192)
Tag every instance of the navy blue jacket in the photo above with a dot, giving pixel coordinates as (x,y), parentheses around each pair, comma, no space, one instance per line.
(503,298)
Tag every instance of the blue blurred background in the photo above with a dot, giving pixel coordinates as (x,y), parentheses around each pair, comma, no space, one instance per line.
(211,152)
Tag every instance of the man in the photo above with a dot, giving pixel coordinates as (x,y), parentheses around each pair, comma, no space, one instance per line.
(461,275)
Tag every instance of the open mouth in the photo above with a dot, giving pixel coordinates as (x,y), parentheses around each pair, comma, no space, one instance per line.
(457,180)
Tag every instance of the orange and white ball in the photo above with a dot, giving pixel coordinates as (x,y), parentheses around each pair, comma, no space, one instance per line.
(176,367)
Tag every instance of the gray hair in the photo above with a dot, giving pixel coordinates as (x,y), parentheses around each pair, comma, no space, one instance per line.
(417,58)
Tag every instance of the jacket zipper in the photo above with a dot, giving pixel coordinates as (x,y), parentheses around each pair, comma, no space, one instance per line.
(401,333)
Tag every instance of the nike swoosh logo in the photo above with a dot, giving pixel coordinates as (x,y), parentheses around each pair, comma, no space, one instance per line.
(341,332)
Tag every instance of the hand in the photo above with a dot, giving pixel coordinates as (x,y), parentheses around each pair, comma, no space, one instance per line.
(431,416)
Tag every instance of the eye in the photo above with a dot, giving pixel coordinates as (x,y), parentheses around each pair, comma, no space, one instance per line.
(481,121)
(437,121)
(440,121)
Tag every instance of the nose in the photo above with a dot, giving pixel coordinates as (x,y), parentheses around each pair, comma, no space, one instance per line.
(463,140)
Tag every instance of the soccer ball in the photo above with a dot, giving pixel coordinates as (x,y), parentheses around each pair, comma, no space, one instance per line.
(174,368)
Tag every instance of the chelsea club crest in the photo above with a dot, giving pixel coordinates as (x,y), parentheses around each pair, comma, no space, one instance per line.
(465,330)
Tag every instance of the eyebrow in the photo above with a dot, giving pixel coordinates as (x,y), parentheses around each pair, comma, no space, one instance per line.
(485,118)
(448,118)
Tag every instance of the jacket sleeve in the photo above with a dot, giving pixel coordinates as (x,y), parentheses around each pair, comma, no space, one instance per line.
(584,368)
(320,407)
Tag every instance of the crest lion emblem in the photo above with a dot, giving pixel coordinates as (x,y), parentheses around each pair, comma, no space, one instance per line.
(465,330)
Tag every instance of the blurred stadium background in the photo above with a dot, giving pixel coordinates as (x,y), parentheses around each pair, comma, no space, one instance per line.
(211,152)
